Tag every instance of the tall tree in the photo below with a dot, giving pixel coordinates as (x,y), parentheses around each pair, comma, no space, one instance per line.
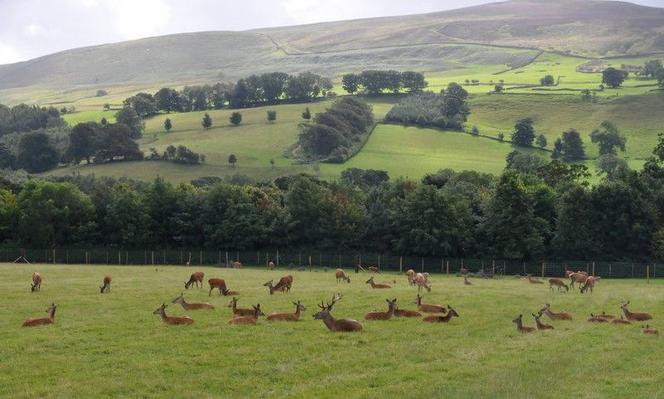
(36,153)
(572,146)
(608,138)
(168,125)
(524,133)
(351,83)
(82,140)
(613,77)
(207,121)
(128,117)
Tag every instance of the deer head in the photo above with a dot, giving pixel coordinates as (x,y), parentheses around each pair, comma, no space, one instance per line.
(160,310)
(179,299)
(452,311)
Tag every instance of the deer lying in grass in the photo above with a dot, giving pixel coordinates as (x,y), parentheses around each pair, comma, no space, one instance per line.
(607,316)
(41,321)
(621,320)
(342,276)
(227,292)
(466,281)
(195,279)
(532,280)
(299,308)
(373,269)
(238,311)
(422,281)
(244,320)
(410,275)
(589,284)
(340,325)
(172,320)
(36,282)
(539,324)
(106,285)
(391,307)
(649,330)
(520,327)
(284,284)
(558,283)
(597,319)
(217,283)
(426,308)
(634,316)
(191,306)
(442,319)
(406,313)
(555,316)
(377,286)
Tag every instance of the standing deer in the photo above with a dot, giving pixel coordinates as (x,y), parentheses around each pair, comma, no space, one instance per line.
(195,279)
(217,283)
(244,320)
(299,308)
(377,286)
(42,320)
(426,308)
(237,311)
(442,319)
(555,316)
(558,283)
(466,281)
(342,276)
(191,306)
(421,281)
(270,265)
(539,324)
(391,306)
(649,330)
(341,325)
(589,284)
(36,282)
(410,275)
(172,320)
(284,284)
(106,287)
(634,316)
(578,277)
(520,327)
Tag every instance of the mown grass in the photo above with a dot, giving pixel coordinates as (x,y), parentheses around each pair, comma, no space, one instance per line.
(111,345)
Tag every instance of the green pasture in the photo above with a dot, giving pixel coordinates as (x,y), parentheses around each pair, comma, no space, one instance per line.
(113,346)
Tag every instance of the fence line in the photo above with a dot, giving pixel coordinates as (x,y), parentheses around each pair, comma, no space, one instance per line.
(309,259)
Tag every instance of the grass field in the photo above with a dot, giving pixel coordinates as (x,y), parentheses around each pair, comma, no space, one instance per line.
(111,345)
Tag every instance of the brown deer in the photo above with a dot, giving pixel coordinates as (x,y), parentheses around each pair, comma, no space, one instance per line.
(532,280)
(406,313)
(621,320)
(442,319)
(578,277)
(520,327)
(299,308)
(607,316)
(217,283)
(172,320)
(555,316)
(237,311)
(342,276)
(284,284)
(422,281)
(36,282)
(649,330)
(106,287)
(558,283)
(341,325)
(195,279)
(227,292)
(466,281)
(191,306)
(410,275)
(426,308)
(634,316)
(377,286)
(373,269)
(597,319)
(244,320)
(41,321)
(237,265)
(270,265)
(589,284)
(391,306)
(539,324)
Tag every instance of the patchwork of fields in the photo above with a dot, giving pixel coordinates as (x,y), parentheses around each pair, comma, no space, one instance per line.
(111,345)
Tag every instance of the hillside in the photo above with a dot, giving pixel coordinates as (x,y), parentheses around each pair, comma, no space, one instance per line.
(436,42)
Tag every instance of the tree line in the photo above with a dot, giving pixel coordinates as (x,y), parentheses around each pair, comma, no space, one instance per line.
(447,110)
(255,90)
(546,212)
(375,82)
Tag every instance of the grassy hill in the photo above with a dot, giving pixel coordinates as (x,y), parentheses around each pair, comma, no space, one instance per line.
(431,42)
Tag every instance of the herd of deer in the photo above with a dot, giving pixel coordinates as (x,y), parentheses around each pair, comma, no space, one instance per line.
(627,318)
(434,313)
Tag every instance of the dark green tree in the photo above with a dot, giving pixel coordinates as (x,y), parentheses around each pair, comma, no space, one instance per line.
(236,118)
(524,133)
(608,138)
(548,80)
(7,158)
(652,68)
(271,116)
(614,78)
(207,121)
(306,115)
(232,160)
(82,142)
(572,146)
(168,125)
(128,117)
(36,153)
(351,83)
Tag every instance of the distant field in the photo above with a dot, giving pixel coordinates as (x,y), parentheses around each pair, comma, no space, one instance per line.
(112,345)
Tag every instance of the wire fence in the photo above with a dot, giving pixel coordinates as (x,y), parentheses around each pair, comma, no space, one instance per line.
(318,259)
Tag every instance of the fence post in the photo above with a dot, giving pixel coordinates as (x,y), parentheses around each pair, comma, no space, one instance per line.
(320,259)
(524,268)
(277,258)
(54,256)
(654,270)
(226,259)
(609,270)
(310,263)
(648,273)
(493,267)
(448,267)
(87,258)
(542,269)
(442,265)
(379,262)
(401,264)
(593,268)
(119,257)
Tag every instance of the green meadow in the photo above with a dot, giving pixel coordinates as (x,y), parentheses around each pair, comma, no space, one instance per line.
(112,345)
